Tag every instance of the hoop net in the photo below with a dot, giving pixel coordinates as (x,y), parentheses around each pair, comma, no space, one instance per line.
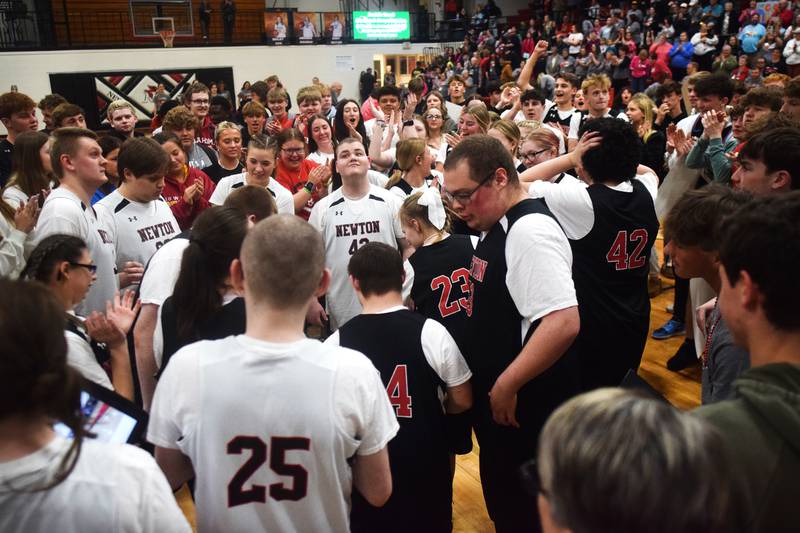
(167,37)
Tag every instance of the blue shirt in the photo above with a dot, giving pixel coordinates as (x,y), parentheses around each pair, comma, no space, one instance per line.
(750,36)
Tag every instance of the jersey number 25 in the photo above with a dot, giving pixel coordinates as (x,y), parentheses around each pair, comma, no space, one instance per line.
(238,495)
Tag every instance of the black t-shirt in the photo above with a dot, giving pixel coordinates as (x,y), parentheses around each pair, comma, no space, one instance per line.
(227,320)
(216,171)
(6,151)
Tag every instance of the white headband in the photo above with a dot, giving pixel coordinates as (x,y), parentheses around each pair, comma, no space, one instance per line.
(433,200)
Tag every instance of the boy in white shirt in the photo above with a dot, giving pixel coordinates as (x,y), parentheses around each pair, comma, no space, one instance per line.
(220,409)
(138,220)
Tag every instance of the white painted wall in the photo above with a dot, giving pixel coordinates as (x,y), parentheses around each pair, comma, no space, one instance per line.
(295,65)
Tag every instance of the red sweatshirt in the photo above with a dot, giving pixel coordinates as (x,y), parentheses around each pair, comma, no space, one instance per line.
(173,193)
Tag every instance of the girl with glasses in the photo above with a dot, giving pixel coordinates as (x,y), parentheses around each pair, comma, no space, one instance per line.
(540,146)
(63,263)
(433,119)
(305,179)
(434,99)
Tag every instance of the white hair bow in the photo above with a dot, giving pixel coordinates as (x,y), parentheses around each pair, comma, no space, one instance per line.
(433,200)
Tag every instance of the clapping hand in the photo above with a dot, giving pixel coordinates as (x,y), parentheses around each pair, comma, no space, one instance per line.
(113,327)
(26,215)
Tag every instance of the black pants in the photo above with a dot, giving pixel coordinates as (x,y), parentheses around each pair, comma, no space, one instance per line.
(504,449)
(681,299)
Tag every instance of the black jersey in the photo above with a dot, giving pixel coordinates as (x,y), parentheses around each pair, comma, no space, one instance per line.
(497,337)
(441,283)
(421,497)
(610,269)
(554,117)
(496,323)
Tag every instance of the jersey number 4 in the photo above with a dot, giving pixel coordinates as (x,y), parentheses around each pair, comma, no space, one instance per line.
(356,244)
(460,276)
(618,254)
(238,495)
(397,389)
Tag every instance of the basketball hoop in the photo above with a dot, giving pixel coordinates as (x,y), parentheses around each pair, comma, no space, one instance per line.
(167,37)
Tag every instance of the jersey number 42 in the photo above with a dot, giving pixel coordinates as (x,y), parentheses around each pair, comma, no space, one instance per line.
(239,495)
(618,254)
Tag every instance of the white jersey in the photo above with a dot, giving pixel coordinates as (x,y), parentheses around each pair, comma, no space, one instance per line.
(347,225)
(114,487)
(224,404)
(283,198)
(137,229)
(64,213)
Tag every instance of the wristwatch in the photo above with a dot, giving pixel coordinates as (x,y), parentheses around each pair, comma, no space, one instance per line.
(309,187)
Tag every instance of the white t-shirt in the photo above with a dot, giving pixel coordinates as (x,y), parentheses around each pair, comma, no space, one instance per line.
(379,179)
(114,487)
(401,194)
(283,198)
(63,212)
(81,357)
(244,410)
(158,283)
(14,196)
(346,225)
(320,158)
(539,260)
(440,349)
(572,206)
(137,229)
(12,249)
(370,124)
(162,272)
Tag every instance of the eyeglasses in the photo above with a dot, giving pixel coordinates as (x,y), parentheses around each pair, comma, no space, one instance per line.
(431,117)
(464,198)
(293,151)
(91,268)
(200,102)
(530,156)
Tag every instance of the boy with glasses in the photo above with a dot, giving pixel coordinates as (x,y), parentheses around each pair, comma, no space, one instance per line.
(524,317)
(198,99)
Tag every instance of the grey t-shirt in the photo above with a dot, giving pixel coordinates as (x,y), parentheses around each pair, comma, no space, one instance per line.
(726,362)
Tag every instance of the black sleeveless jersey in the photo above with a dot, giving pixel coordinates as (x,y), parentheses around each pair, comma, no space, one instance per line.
(419,457)
(441,284)
(553,116)
(611,263)
(610,269)
(496,326)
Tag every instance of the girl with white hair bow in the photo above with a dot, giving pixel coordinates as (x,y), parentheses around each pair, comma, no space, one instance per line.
(439,266)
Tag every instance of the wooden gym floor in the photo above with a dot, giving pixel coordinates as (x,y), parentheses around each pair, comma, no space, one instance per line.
(682,389)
